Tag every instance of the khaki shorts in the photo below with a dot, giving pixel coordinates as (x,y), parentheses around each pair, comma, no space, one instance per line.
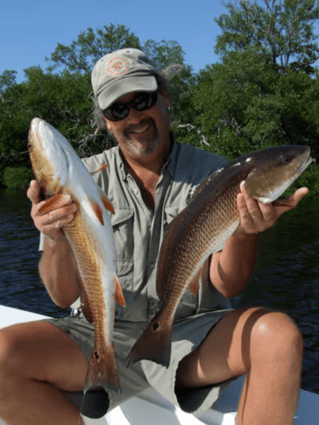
(187,335)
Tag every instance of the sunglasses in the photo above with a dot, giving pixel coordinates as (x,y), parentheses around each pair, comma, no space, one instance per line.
(141,102)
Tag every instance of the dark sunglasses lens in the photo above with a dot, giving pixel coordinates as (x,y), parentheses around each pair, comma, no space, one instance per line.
(145,101)
(116,112)
(141,102)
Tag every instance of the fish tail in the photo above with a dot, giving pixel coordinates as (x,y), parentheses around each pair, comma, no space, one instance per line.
(154,344)
(103,371)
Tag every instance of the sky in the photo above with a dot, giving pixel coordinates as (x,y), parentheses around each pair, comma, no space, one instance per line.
(30,30)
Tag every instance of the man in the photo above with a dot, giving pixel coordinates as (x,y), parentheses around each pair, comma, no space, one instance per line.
(150,179)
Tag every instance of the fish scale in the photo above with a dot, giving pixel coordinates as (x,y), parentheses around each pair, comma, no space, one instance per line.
(202,228)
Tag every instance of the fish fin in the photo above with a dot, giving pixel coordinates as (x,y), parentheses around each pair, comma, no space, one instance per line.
(97,210)
(51,203)
(194,283)
(154,344)
(102,371)
(85,306)
(118,293)
(203,185)
(106,202)
(100,169)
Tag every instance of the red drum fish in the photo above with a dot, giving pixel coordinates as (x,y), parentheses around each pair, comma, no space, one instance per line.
(202,228)
(59,170)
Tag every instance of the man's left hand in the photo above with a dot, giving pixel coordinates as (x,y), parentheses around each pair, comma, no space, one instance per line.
(256,217)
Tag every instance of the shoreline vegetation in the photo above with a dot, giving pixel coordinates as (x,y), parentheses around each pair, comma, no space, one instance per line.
(263,91)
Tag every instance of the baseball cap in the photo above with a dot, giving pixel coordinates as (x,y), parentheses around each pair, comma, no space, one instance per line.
(121,72)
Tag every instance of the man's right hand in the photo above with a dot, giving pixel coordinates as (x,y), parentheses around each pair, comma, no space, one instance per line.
(50,223)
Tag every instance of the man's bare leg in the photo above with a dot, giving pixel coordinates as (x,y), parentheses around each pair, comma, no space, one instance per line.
(37,360)
(264,345)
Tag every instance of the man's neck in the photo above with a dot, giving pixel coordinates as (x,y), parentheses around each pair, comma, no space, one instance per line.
(146,171)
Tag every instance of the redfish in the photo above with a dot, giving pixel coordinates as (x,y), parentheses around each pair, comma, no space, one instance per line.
(59,170)
(202,228)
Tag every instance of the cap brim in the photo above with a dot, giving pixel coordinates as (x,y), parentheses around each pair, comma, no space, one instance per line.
(125,86)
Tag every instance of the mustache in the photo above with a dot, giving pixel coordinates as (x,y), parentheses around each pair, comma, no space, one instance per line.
(133,127)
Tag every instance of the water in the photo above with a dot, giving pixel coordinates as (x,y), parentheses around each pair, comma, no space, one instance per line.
(287,277)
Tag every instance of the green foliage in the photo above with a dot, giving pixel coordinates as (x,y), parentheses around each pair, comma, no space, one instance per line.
(90,46)
(64,99)
(264,92)
(283,29)
(17,177)
(7,79)
(309,178)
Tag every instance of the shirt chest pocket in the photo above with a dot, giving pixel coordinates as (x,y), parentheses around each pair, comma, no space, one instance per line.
(170,213)
(122,223)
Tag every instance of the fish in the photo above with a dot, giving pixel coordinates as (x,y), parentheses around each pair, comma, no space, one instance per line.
(60,171)
(201,230)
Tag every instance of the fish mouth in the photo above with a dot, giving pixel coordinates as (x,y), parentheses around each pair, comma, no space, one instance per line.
(307,161)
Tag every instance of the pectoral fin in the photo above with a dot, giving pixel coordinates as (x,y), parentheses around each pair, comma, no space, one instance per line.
(194,283)
(97,210)
(106,202)
(53,203)
(118,293)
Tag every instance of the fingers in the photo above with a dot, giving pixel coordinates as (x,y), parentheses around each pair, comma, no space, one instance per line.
(294,199)
(34,192)
(59,217)
(50,222)
(255,217)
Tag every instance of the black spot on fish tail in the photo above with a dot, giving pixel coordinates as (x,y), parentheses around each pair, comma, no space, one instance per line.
(156,326)
(154,344)
(102,371)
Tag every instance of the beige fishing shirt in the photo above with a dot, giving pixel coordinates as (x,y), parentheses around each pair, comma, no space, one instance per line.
(139,232)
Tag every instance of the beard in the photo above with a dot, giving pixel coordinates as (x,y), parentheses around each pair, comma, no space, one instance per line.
(142,144)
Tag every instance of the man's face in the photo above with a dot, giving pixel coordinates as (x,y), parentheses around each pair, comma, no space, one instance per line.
(145,132)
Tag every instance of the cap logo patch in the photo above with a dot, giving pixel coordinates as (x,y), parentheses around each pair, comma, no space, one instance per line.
(118,66)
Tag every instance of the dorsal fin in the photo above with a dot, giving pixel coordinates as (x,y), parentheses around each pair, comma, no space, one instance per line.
(100,169)
(201,187)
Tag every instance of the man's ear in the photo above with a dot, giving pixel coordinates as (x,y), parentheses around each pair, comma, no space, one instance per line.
(166,98)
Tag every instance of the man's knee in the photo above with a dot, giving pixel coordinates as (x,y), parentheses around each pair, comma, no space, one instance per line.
(10,355)
(275,336)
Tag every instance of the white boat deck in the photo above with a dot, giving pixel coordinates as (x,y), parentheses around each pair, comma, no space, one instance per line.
(151,408)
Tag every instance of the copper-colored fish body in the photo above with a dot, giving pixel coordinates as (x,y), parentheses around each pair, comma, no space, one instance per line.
(59,170)
(202,228)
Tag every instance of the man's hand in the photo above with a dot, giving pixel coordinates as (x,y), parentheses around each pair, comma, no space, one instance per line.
(50,223)
(255,217)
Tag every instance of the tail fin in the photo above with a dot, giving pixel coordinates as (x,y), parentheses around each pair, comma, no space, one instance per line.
(103,371)
(154,343)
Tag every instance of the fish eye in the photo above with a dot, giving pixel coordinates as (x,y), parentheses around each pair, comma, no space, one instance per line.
(30,147)
(285,160)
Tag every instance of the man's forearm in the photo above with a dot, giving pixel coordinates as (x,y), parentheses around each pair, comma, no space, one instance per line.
(232,267)
(57,271)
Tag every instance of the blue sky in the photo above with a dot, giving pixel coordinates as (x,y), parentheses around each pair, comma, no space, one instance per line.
(30,30)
